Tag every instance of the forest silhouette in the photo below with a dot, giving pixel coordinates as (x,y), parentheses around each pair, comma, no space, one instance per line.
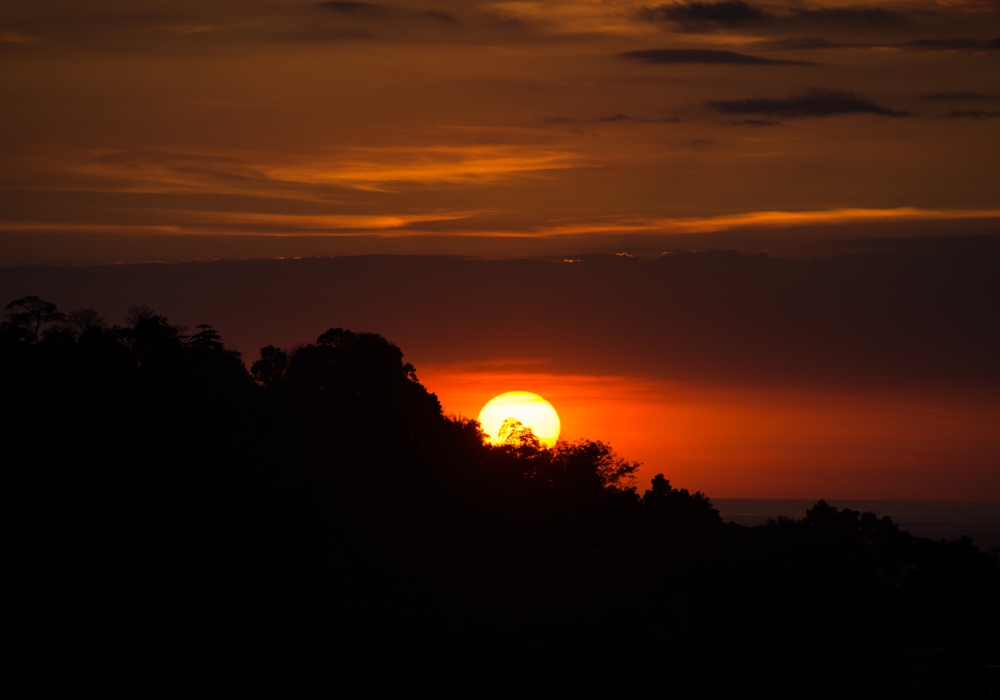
(317,523)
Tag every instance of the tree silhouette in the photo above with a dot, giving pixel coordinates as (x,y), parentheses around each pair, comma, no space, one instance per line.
(162,497)
(599,462)
(135,314)
(29,316)
(269,370)
(670,507)
(207,338)
(152,338)
(515,434)
(82,320)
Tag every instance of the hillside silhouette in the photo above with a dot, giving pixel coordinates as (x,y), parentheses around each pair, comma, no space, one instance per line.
(317,523)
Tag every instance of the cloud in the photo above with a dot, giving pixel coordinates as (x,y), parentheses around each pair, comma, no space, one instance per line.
(697,16)
(271,224)
(704,15)
(17,38)
(971,5)
(856,15)
(972,114)
(439,16)
(814,102)
(313,179)
(615,118)
(804,44)
(813,44)
(752,219)
(242,223)
(705,56)
(382,169)
(370,10)
(356,9)
(756,123)
(957,96)
(953,44)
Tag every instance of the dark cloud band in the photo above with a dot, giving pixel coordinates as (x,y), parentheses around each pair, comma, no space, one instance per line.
(728,13)
(371,10)
(700,16)
(815,102)
(704,56)
(973,114)
(953,44)
(356,9)
(957,96)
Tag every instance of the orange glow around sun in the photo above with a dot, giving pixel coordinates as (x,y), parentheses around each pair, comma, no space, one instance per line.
(531,410)
(751,442)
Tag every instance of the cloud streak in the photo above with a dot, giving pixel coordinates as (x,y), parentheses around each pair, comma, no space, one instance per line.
(957,96)
(242,223)
(370,10)
(814,102)
(764,219)
(702,56)
(953,44)
(423,224)
(702,16)
(380,169)
(973,114)
(356,9)
(698,16)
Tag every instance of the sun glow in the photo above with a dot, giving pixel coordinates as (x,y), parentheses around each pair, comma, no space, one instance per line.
(531,410)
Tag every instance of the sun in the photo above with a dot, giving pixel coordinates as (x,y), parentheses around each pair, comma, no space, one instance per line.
(531,410)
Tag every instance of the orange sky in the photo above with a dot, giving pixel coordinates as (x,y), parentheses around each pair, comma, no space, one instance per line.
(294,127)
(856,142)
(765,442)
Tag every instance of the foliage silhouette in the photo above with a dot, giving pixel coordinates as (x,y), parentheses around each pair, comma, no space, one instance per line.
(320,515)
(28,317)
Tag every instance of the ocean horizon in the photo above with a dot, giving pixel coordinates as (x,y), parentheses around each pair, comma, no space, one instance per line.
(949,520)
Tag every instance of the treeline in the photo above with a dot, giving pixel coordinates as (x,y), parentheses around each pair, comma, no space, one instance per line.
(178,517)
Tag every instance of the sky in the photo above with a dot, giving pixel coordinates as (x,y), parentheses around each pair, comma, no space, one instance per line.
(181,129)
(866,375)
(751,245)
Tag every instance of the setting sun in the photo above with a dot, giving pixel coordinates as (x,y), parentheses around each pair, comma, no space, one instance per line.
(531,410)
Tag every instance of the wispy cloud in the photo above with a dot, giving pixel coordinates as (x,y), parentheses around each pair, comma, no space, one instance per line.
(282,175)
(377,11)
(249,224)
(707,56)
(706,15)
(422,224)
(973,114)
(768,219)
(698,16)
(958,96)
(384,168)
(357,9)
(17,38)
(953,44)
(614,119)
(814,102)
(756,123)
(307,223)
(807,43)
(563,16)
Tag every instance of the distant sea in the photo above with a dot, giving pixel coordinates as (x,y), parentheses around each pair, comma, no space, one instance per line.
(934,519)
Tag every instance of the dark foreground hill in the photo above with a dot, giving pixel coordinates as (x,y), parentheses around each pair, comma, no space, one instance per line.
(317,525)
